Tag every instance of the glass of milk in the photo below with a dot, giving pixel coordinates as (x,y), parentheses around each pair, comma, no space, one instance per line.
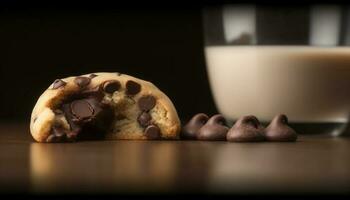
(267,60)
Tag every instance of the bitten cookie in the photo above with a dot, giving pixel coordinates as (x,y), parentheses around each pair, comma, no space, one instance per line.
(103,106)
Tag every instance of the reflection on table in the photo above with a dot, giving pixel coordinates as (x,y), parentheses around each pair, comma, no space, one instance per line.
(314,164)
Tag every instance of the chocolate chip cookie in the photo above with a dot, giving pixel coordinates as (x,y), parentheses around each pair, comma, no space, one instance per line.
(103,106)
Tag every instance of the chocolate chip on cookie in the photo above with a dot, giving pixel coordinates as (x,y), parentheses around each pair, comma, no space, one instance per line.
(144,119)
(152,132)
(146,103)
(111,86)
(81,109)
(92,76)
(132,87)
(82,81)
(88,117)
(58,83)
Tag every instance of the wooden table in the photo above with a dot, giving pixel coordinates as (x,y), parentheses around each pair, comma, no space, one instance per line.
(315,164)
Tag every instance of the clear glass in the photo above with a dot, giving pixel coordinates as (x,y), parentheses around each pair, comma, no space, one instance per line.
(266,60)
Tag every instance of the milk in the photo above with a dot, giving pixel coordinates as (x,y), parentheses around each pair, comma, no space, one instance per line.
(308,84)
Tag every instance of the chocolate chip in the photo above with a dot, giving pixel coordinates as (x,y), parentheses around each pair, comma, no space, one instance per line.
(152,132)
(146,103)
(246,129)
(132,87)
(91,76)
(111,86)
(96,105)
(118,74)
(96,93)
(58,83)
(35,118)
(88,118)
(279,130)
(214,129)
(190,130)
(144,119)
(82,81)
(81,109)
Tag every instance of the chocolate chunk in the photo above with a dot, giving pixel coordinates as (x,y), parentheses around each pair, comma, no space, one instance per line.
(132,87)
(88,118)
(246,129)
(214,129)
(152,132)
(91,76)
(190,130)
(35,118)
(58,83)
(111,86)
(118,74)
(81,109)
(82,81)
(144,119)
(96,93)
(75,125)
(96,105)
(279,130)
(146,103)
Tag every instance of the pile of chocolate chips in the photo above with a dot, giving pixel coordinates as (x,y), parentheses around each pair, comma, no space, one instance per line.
(246,129)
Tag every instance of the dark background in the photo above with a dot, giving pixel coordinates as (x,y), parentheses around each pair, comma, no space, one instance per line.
(162,44)
(157,41)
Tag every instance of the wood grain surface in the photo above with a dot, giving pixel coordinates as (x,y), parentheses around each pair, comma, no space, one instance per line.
(314,164)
